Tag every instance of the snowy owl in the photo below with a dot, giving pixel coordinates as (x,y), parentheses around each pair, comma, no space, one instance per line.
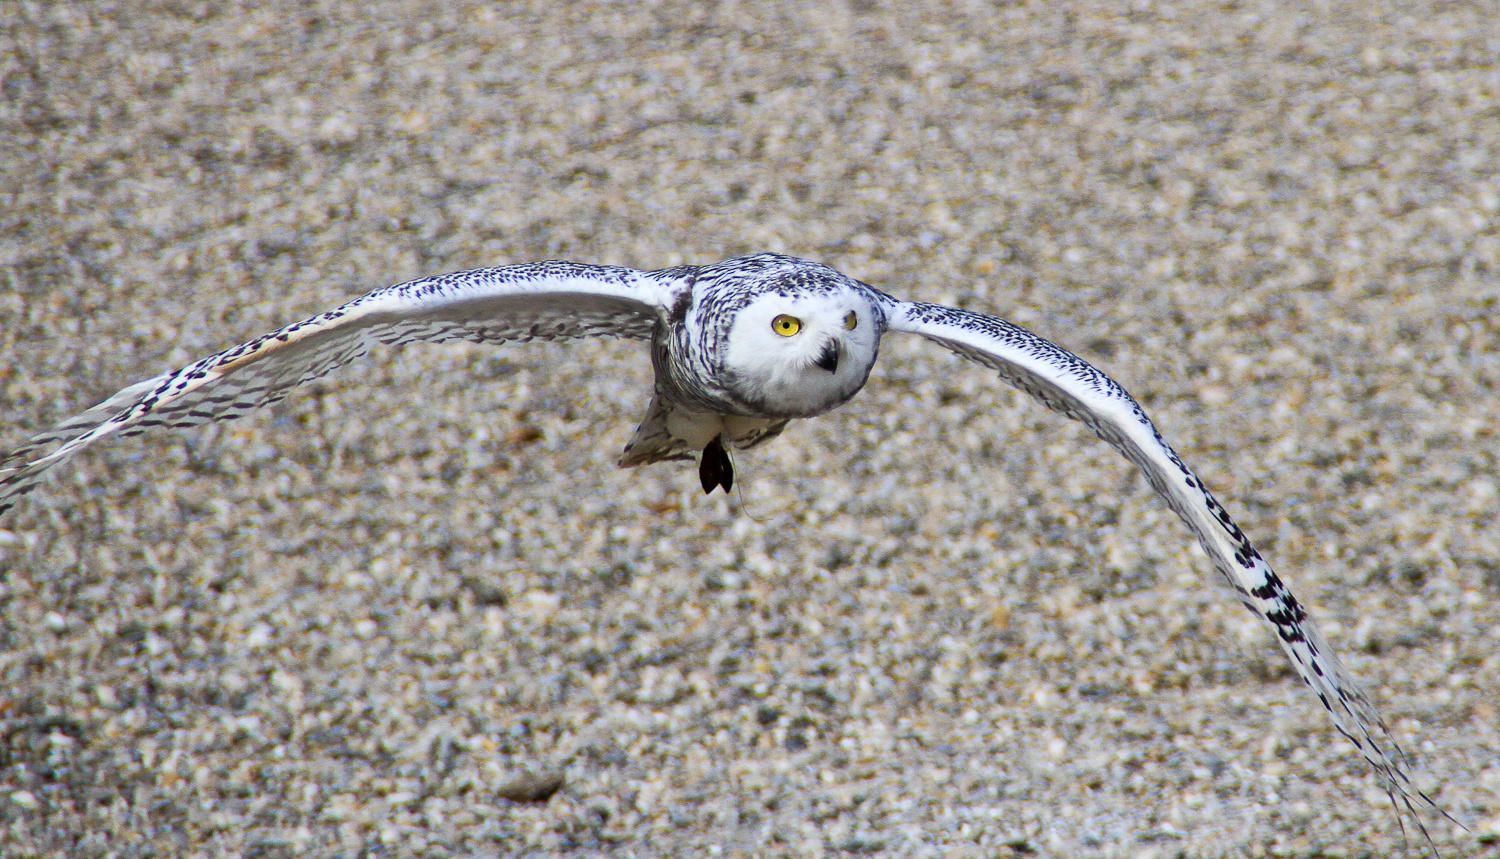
(739,348)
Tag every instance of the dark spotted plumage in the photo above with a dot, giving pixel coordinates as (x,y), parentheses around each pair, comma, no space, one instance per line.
(722,381)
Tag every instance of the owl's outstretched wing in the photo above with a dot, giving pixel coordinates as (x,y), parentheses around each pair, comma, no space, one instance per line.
(535,301)
(1068,384)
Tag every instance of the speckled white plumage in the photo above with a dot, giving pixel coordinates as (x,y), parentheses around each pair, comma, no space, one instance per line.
(739,348)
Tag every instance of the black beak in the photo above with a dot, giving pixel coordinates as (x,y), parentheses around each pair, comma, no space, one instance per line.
(829,359)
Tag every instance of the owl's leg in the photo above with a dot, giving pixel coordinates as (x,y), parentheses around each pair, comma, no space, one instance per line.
(715,469)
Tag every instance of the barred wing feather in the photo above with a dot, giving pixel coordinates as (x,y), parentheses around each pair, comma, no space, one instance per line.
(535,301)
(1066,383)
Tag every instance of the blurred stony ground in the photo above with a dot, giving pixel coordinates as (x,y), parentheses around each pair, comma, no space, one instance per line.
(941,621)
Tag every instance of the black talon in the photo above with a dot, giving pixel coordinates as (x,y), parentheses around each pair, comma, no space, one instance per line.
(715,469)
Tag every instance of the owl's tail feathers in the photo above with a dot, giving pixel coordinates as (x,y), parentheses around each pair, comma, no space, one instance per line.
(652,441)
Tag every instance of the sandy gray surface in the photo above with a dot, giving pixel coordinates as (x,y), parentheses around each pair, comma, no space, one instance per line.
(941,621)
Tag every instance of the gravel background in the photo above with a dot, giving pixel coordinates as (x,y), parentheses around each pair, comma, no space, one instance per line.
(941,621)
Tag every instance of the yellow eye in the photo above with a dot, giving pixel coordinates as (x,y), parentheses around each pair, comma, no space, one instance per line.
(851,320)
(785,325)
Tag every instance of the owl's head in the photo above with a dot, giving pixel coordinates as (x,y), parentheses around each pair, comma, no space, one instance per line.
(802,342)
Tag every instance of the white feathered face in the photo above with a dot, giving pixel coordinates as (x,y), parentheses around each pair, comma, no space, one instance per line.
(799,356)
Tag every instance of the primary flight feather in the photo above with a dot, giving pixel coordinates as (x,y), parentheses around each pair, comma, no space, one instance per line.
(739,349)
